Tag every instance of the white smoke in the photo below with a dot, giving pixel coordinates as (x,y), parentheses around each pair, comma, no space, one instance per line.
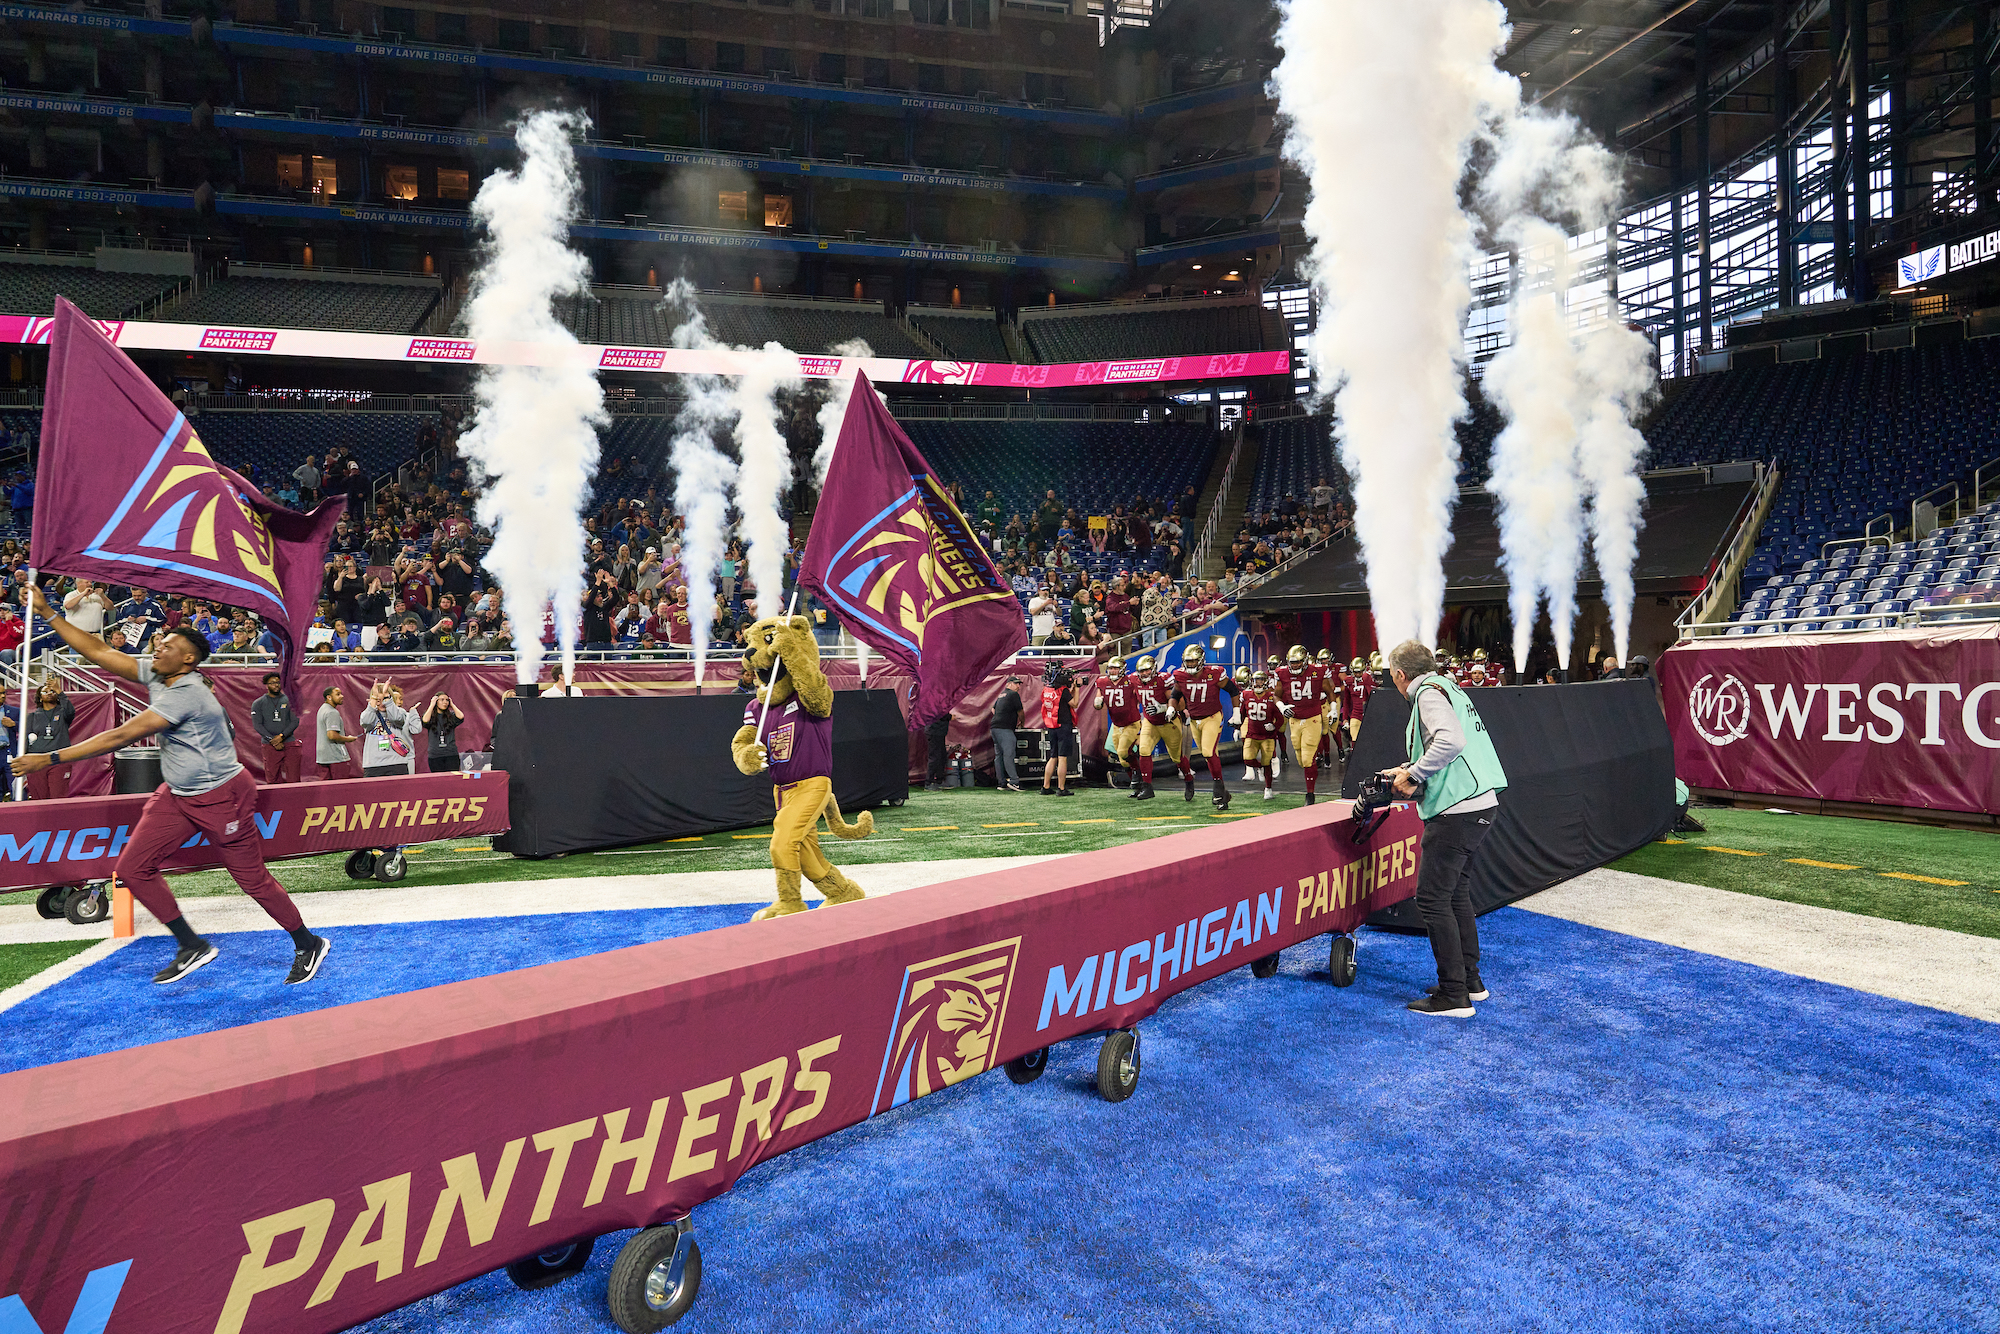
(532,441)
(1619,375)
(765,472)
(1384,102)
(703,474)
(834,409)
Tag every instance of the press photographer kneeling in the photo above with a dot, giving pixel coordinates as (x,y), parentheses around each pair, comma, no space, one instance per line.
(1454,775)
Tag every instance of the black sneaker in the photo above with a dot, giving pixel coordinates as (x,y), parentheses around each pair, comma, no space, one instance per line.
(1443,1008)
(1309,798)
(1477,991)
(1138,789)
(1145,792)
(186,960)
(1221,798)
(1048,791)
(1190,789)
(306,962)
(1064,792)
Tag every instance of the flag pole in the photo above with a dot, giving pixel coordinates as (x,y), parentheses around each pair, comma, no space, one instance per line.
(21,722)
(765,718)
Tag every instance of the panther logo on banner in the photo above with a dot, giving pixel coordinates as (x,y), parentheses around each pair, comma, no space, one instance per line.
(947,1023)
(1720,713)
(940,372)
(913,562)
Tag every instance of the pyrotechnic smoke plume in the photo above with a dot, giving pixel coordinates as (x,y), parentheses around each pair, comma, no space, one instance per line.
(703,474)
(834,409)
(1619,374)
(532,441)
(765,472)
(1384,101)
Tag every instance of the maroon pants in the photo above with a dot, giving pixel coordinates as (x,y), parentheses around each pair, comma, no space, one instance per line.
(224,814)
(281,766)
(329,773)
(51,784)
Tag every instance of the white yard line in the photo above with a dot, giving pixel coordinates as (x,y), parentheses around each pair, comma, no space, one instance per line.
(1925,965)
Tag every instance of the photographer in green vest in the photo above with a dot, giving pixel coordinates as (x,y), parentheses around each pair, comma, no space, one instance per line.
(1455,778)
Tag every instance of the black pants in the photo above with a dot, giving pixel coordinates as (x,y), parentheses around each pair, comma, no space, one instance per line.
(935,734)
(1444,897)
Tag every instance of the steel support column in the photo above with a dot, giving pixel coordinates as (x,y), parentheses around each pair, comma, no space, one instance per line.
(1982,107)
(1836,45)
(1788,162)
(1862,287)
(1705,168)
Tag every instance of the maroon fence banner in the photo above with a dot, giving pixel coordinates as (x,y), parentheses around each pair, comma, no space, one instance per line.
(307,1173)
(1905,718)
(79,838)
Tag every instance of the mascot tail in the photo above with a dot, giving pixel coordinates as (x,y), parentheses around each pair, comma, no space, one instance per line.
(863,826)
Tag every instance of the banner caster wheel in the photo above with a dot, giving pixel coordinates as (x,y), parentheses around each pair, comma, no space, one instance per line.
(87,905)
(49,903)
(551,1266)
(360,865)
(1118,1064)
(391,866)
(1340,962)
(1027,1069)
(1264,967)
(656,1278)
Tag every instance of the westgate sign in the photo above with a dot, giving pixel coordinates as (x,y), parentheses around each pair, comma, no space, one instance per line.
(1905,718)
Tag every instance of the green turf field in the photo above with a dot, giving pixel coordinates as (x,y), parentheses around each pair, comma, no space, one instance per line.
(18,963)
(1946,878)
(933,826)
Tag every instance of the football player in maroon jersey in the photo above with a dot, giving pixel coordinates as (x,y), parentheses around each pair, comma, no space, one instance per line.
(1120,694)
(1257,715)
(1300,692)
(1201,686)
(1360,685)
(1159,725)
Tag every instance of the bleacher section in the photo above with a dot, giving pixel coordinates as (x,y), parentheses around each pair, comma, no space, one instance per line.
(1149,330)
(1854,437)
(279,441)
(1090,465)
(967,336)
(31,289)
(280,303)
(1868,589)
(635,317)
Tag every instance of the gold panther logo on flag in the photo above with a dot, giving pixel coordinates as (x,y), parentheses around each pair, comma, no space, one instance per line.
(947,1026)
(185,513)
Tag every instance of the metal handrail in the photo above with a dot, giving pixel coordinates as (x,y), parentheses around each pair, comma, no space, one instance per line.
(1864,541)
(1737,554)
(1198,558)
(1957,494)
(1915,616)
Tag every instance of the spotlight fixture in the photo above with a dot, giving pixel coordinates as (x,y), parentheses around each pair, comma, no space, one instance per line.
(1197,268)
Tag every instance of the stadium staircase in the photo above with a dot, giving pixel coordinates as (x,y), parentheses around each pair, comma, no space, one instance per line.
(1231,502)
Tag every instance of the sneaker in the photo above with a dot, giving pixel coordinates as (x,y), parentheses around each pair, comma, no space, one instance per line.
(1048,791)
(1309,798)
(1138,789)
(1437,1005)
(1064,792)
(186,960)
(1190,789)
(1247,777)
(933,787)
(306,962)
(1222,796)
(1268,794)
(1477,992)
(1145,792)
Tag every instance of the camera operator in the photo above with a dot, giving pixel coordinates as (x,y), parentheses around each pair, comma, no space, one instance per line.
(1059,698)
(1455,777)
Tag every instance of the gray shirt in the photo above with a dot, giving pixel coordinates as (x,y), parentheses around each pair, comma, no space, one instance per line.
(330,752)
(381,729)
(197,752)
(306,476)
(273,716)
(1444,740)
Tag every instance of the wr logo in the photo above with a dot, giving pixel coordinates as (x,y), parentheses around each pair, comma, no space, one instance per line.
(1720,713)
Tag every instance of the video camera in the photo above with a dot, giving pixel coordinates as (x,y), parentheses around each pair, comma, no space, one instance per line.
(1371,805)
(1060,677)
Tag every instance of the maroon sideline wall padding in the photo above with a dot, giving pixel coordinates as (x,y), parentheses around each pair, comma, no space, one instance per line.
(307,1173)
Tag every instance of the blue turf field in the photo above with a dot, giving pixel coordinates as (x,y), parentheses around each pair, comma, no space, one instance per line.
(1629,1137)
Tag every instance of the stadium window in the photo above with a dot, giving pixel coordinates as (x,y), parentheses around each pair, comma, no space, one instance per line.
(931,11)
(729,57)
(565,38)
(402,182)
(454,183)
(325,176)
(972,13)
(777,60)
(403,21)
(624,45)
(777,210)
(875,9)
(515,35)
(931,78)
(874,71)
(732,205)
(291,171)
(1034,86)
(832,67)
(671,52)
(450,29)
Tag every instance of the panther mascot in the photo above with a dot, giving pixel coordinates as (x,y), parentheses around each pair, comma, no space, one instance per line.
(781,669)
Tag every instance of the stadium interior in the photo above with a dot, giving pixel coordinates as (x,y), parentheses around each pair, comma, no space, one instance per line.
(1696,1072)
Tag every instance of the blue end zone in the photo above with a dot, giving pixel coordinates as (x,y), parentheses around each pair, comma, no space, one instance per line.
(1628,1137)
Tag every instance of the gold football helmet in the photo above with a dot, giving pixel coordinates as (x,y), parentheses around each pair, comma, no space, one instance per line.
(1259,679)
(1242,676)
(1146,665)
(1325,657)
(1114,666)
(1375,661)
(1354,666)
(1296,656)
(1194,656)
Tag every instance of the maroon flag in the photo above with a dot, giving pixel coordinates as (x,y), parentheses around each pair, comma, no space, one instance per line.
(893,555)
(126,493)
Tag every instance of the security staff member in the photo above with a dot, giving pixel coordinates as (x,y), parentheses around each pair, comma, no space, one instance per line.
(278,725)
(1006,742)
(1455,777)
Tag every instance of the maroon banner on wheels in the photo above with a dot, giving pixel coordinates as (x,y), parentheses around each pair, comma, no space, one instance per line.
(79,838)
(307,1173)
(1905,718)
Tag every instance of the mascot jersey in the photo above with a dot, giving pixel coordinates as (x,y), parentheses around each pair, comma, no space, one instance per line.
(798,745)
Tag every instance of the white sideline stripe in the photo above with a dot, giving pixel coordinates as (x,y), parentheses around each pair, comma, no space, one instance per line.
(1924,965)
(518,898)
(48,977)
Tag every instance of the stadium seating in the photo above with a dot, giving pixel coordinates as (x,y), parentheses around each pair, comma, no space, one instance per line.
(1146,330)
(971,336)
(280,303)
(279,441)
(31,289)
(1298,451)
(636,317)
(1090,465)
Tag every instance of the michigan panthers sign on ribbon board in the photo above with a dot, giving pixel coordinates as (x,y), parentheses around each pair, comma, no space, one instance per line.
(893,556)
(128,494)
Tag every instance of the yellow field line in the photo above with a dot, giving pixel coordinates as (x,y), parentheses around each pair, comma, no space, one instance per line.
(925,828)
(1734,852)
(1103,821)
(1233,815)
(472,849)
(1923,879)
(691,838)
(1824,866)
(1673,840)
(1165,817)
(1012,824)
